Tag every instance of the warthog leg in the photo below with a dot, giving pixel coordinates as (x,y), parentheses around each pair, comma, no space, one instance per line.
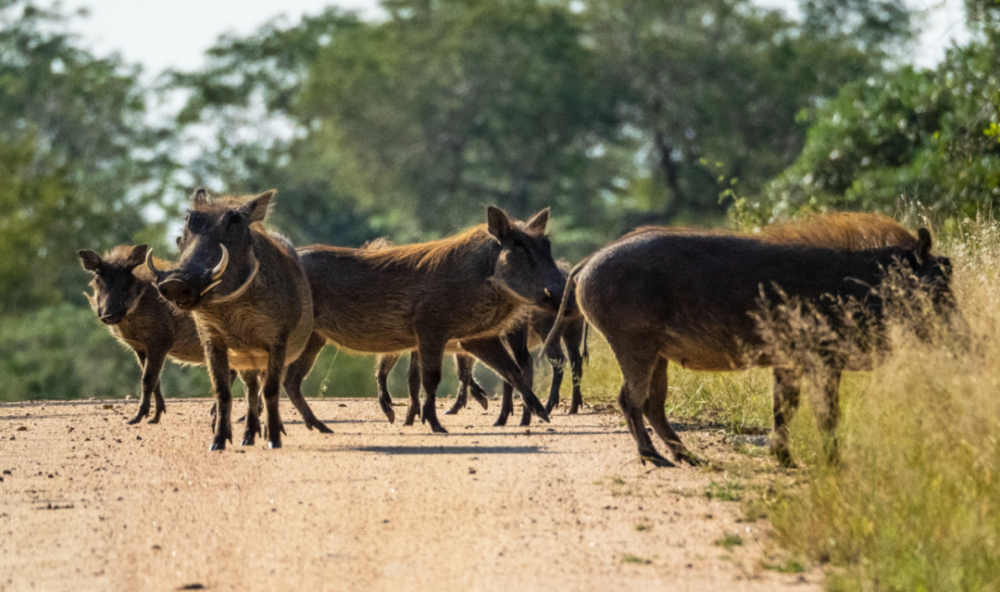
(252,427)
(637,359)
(463,366)
(827,410)
(272,389)
(431,357)
(152,363)
(491,351)
(218,370)
(413,387)
(296,373)
(786,392)
(573,339)
(657,416)
(506,405)
(383,365)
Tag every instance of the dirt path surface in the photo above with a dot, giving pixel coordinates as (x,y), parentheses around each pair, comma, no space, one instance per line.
(92,504)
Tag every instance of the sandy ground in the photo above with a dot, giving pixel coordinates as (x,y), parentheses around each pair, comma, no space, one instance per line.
(89,503)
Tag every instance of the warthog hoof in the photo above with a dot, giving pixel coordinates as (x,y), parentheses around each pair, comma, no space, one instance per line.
(438,429)
(654,457)
(688,458)
(218,443)
(411,414)
(138,416)
(387,409)
(458,406)
(272,444)
(319,425)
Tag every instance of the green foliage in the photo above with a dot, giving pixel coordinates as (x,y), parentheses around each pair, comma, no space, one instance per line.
(70,141)
(61,352)
(928,137)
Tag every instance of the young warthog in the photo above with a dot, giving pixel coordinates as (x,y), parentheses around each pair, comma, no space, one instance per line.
(249,299)
(660,295)
(124,299)
(468,289)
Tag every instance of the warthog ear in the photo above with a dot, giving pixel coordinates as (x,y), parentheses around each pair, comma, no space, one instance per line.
(536,224)
(89,260)
(497,222)
(199,197)
(137,257)
(255,209)
(923,244)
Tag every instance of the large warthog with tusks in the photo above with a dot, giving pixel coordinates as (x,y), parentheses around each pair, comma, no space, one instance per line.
(249,298)
(467,289)
(695,298)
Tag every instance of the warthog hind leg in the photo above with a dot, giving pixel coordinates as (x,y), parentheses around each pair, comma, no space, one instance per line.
(413,386)
(657,416)
(383,365)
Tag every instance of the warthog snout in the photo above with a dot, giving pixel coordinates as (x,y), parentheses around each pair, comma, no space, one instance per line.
(180,292)
(112,319)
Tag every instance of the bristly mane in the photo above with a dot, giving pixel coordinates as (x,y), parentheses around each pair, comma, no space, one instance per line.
(849,231)
(431,254)
(841,230)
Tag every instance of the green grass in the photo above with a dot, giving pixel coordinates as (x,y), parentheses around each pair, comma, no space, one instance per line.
(630,558)
(729,491)
(730,540)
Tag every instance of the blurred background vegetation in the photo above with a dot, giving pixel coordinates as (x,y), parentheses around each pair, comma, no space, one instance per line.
(614,112)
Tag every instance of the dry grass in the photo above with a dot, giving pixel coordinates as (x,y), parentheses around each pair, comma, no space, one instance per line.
(915,501)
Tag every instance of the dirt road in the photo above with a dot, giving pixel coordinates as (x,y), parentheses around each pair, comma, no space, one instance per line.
(88,503)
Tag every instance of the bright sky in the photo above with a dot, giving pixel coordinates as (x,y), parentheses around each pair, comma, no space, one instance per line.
(161,35)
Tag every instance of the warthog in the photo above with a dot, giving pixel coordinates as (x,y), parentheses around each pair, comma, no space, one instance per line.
(659,295)
(529,332)
(126,300)
(466,289)
(249,299)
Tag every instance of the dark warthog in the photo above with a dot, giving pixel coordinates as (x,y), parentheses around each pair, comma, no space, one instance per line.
(467,289)
(249,298)
(660,295)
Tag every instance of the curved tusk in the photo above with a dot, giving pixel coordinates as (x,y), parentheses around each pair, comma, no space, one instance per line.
(220,269)
(547,293)
(238,292)
(152,267)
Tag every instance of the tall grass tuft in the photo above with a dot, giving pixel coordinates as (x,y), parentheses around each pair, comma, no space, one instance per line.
(915,502)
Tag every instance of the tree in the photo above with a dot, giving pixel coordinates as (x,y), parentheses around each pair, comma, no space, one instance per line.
(449,105)
(925,138)
(71,136)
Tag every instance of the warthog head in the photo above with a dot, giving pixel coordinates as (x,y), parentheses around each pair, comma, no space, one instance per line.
(216,248)
(525,266)
(116,291)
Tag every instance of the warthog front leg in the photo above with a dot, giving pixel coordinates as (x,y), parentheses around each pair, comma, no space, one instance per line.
(152,364)
(296,373)
(506,405)
(491,351)
(431,356)
(786,392)
(218,370)
(657,415)
(383,365)
(467,385)
(413,388)
(251,381)
(272,390)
